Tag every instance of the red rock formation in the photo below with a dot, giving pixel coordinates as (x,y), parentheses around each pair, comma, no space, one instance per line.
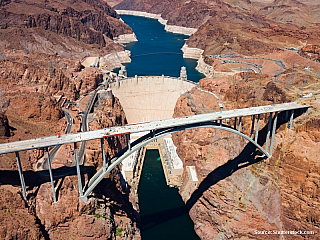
(238,193)
(311,52)
(238,26)
(40,43)
(4,125)
(16,222)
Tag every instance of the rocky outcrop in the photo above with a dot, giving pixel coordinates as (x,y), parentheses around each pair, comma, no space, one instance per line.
(205,68)
(194,53)
(41,44)
(238,194)
(311,51)
(126,38)
(224,26)
(291,12)
(16,221)
(81,28)
(4,125)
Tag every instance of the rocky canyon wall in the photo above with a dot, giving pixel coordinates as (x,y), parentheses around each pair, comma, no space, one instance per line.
(41,46)
(239,193)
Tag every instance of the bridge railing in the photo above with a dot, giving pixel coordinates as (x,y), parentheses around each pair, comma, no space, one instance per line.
(157,129)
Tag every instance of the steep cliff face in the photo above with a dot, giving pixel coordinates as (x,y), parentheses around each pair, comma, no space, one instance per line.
(108,214)
(41,44)
(238,192)
(237,26)
(16,222)
(85,21)
(4,125)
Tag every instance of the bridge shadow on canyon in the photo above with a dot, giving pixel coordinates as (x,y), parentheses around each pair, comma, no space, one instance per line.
(105,189)
(249,156)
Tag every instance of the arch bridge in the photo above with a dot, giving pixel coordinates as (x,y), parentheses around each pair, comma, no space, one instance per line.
(158,129)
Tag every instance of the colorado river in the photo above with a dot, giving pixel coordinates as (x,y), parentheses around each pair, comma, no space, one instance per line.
(163,213)
(157,52)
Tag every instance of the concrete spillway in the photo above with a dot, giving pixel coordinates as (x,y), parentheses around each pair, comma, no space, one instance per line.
(149,98)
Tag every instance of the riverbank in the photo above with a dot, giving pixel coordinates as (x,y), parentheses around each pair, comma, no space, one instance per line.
(169,28)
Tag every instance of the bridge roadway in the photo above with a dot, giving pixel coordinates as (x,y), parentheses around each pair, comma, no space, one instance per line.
(145,126)
(156,129)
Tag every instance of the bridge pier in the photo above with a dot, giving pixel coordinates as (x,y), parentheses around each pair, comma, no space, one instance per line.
(268,132)
(239,126)
(157,129)
(257,129)
(82,198)
(128,141)
(273,132)
(23,185)
(104,163)
(252,125)
(51,176)
(289,126)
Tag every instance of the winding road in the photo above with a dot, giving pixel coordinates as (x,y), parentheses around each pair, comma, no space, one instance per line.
(85,125)
(44,165)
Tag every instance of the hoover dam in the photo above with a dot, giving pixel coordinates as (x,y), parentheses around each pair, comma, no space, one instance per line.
(149,98)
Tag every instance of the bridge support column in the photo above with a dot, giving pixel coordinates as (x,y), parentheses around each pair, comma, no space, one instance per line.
(23,185)
(104,163)
(136,78)
(82,198)
(235,123)
(268,132)
(289,126)
(128,141)
(274,127)
(51,176)
(152,132)
(257,129)
(239,126)
(252,125)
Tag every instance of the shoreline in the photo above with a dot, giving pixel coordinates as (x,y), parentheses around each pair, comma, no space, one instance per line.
(188,52)
(125,38)
(168,28)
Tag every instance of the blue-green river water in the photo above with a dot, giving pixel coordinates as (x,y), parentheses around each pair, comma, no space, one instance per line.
(163,213)
(157,51)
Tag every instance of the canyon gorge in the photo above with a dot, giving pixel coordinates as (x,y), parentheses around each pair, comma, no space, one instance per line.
(42,45)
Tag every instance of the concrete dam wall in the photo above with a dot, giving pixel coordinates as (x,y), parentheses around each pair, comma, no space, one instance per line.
(148,98)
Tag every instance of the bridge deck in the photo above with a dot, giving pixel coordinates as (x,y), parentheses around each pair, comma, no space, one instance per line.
(146,126)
